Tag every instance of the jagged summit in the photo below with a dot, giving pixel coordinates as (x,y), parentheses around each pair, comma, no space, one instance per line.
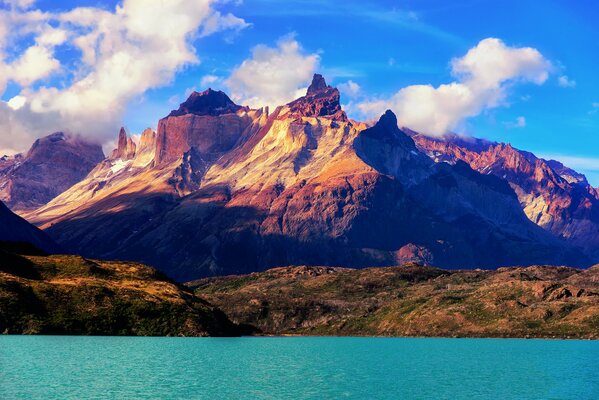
(320,100)
(125,148)
(208,102)
(388,120)
(386,130)
(318,85)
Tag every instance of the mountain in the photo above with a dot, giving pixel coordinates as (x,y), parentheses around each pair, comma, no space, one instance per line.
(553,196)
(71,295)
(16,233)
(52,165)
(538,301)
(228,189)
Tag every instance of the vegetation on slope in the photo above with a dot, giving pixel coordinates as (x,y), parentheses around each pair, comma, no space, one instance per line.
(540,301)
(74,295)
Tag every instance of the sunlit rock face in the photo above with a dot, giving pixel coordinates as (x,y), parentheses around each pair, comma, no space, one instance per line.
(52,165)
(234,190)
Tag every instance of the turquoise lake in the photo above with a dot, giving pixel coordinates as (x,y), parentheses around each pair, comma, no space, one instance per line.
(59,367)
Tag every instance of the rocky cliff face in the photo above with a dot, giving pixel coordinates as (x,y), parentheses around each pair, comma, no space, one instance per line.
(234,190)
(209,122)
(52,165)
(552,196)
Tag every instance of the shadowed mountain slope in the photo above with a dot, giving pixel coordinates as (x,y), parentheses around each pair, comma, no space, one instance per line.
(551,195)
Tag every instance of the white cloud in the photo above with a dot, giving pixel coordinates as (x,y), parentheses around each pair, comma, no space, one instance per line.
(16,102)
(207,80)
(139,45)
(218,22)
(519,123)
(483,77)
(273,76)
(36,63)
(566,82)
(349,88)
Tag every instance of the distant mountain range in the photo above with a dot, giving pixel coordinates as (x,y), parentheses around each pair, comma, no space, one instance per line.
(224,189)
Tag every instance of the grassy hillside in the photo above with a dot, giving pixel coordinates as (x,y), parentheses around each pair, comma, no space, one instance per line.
(552,302)
(74,295)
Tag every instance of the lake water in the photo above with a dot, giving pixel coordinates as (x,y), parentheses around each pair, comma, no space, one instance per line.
(59,367)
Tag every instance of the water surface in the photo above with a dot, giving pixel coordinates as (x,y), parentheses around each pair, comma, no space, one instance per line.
(59,367)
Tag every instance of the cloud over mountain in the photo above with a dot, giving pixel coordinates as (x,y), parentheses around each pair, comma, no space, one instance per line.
(139,45)
(483,78)
(273,76)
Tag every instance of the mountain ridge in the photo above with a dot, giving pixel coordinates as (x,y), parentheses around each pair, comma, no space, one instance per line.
(245,190)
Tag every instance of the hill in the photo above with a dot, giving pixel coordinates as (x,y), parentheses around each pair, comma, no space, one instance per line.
(72,295)
(538,301)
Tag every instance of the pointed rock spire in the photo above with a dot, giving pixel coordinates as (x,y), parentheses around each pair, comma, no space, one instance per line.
(125,147)
(320,100)
(147,140)
(122,144)
(387,131)
(388,120)
(318,85)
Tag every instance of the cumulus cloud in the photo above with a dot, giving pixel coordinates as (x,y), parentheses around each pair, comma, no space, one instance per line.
(566,82)
(273,76)
(349,88)
(139,45)
(483,78)
(218,22)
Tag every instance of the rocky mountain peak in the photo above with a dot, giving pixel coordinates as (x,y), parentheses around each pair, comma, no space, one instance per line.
(53,164)
(320,100)
(386,130)
(56,137)
(209,102)
(318,85)
(388,120)
(125,147)
(148,139)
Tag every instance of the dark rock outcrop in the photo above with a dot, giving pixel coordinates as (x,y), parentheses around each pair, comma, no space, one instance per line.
(208,102)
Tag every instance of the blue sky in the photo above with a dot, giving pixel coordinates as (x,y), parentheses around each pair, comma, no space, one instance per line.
(384,46)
